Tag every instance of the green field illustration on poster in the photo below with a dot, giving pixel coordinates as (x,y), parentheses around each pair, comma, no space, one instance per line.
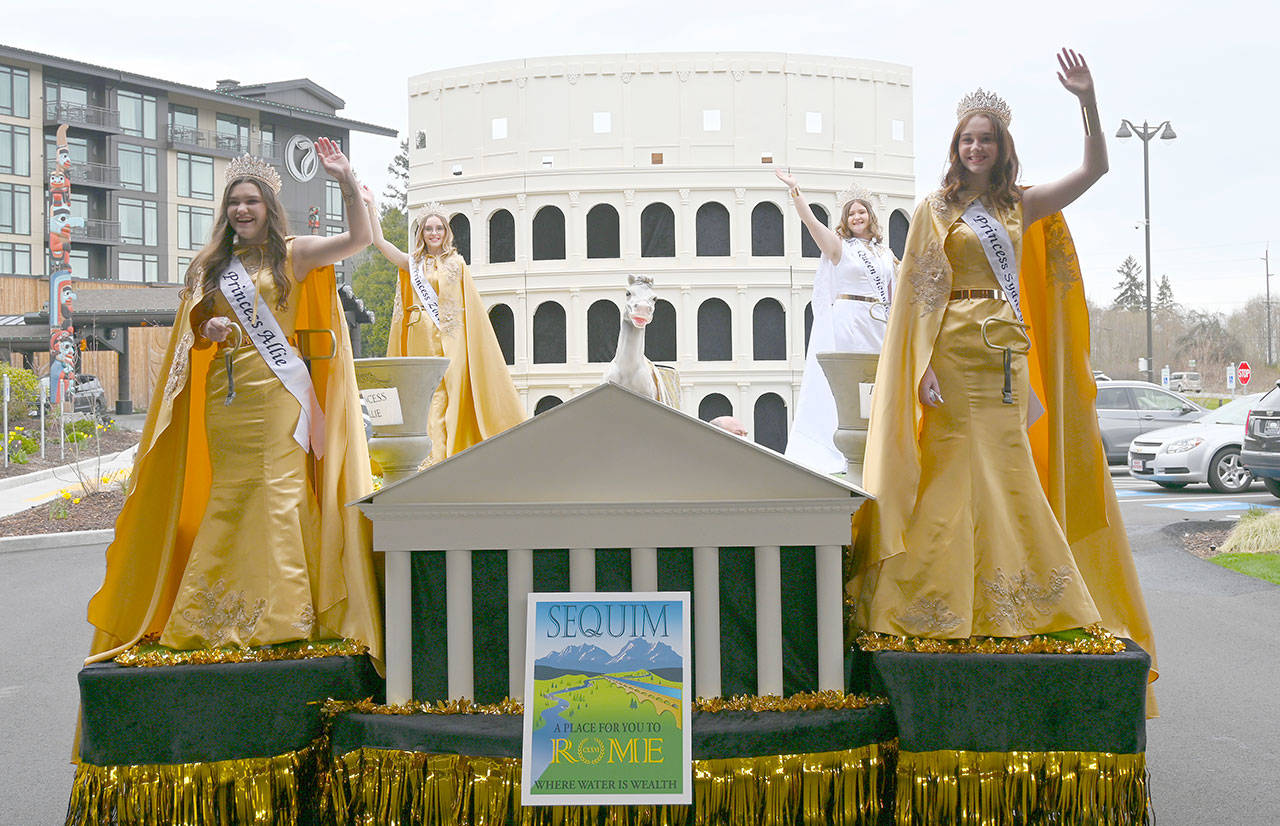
(607,700)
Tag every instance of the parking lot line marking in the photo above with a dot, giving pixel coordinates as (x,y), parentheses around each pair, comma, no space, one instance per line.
(1209,506)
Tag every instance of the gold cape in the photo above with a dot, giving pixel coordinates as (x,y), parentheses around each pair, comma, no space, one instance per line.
(477,398)
(171,483)
(1065,441)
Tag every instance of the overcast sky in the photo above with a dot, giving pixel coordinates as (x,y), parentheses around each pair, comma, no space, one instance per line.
(1208,67)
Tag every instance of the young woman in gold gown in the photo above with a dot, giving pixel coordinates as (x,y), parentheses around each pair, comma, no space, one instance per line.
(236,531)
(992,518)
(476,399)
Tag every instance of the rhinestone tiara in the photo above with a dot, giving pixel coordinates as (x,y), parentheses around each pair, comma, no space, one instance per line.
(247,166)
(854,191)
(435,208)
(979,102)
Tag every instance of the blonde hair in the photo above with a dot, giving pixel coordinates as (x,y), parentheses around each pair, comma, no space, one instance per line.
(418,236)
(873,224)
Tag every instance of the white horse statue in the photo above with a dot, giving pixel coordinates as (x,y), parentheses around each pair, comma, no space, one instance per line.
(630,368)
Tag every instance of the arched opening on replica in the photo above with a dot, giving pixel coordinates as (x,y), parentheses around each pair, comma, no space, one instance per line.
(504,327)
(660,335)
(549,334)
(602,232)
(502,237)
(899,223)
(546,403)
(808,246)
(766,229)
(714,405)
(808,325)
(657,232)
(771,422)
(711,230)
(548,234)
(715,331)
(461,227)
(603,324)
(768,331)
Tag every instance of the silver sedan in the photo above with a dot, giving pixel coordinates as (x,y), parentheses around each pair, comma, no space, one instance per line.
(1204,450)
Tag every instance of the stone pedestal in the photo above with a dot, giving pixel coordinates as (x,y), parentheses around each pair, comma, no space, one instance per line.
(399,447)
(851,376)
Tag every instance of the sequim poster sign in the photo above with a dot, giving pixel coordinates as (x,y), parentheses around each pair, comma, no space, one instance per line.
(607,700)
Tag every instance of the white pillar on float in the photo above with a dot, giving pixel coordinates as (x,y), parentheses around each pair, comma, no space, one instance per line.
(644,569)
(582,570)
(830,608)
(519,585)
(458,620)
(768,620)
(399,640)
(706,621)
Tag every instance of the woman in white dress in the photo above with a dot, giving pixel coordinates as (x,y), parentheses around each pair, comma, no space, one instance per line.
(851,293)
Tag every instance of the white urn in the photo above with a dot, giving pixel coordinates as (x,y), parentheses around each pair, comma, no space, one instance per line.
(399,414)
(851,376)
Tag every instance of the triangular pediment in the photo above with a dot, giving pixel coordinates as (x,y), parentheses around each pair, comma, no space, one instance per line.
(609,445)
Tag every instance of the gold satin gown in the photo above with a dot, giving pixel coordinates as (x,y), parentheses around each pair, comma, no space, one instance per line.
(249,577)
(985,555)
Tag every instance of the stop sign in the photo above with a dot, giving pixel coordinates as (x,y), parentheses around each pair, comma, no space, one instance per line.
(1242,372)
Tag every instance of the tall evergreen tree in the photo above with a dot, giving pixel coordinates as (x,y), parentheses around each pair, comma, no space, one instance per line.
(1164,296)
(397,191)
(1131,294)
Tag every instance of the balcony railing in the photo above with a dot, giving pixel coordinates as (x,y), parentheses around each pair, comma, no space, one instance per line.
(97,231)
(93,174)
(181,137)
(79,114)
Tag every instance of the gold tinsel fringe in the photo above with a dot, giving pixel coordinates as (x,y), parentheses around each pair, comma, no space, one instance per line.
(1098,640)
(845,788)
(264,791)
(970,788)
(144,654)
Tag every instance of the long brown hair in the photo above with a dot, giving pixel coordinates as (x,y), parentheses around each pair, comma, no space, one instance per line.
(1003,188)
(873,223)
(418,237)
(208,265)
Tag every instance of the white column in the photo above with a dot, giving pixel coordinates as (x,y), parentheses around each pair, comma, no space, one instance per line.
(830,604)
(706,621)
(644,569)
(768,620)
(399,622)
(582,569)
(519,584)
(461,640)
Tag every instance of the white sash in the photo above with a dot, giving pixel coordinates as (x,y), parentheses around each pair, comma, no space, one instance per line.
(422,287)
(873,272)
(998,246)
(273,345)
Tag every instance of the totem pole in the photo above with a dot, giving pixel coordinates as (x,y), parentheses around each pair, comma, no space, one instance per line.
(313,221)
(62,339)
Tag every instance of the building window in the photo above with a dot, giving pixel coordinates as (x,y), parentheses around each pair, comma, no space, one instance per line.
(77,148)
(15,259)
(183,123)
(331,231)
(498,129)
(15,92)
(808,246)
(68,95)
(80,206)
(813,123)
(333,201)
(15,209)
(184,264)
(711,228)
(549,334)
(233,133)
(710,120)
(808,325)
(195,176)
(137,221)
(503,322)
(267,140)
(15,150)
(657,232)
(136,266)
(713,406)
(137,114)
(80,263)
(137,167)
(660,335)
(195,225)
(771,422)
(460,226)
(602,122)
(715,331)
(766,229)
(602,232)
(899,129)
(548,234)
(546,403)
(604,322)
(768,331)
(502,238)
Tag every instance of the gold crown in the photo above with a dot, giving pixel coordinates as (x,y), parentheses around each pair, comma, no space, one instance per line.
(984,103)
(855,191)
(247,166)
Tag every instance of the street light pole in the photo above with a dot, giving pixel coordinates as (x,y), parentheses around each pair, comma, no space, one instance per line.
(1146,133)
(1266,259)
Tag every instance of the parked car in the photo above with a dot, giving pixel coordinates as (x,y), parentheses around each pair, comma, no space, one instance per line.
(1205,450)
(1184,382)
(1098,375)
(1127,409)
(1260,451)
